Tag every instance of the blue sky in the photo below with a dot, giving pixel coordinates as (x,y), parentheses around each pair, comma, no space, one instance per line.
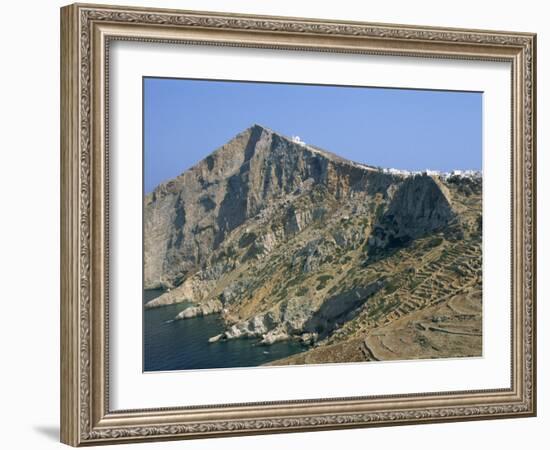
(185,120)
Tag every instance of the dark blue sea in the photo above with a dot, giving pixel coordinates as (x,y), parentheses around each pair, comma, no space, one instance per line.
(183,344)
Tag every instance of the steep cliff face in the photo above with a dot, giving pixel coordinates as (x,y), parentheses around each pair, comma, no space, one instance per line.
(288,241)
(190,216)
(420,206)
(182,215)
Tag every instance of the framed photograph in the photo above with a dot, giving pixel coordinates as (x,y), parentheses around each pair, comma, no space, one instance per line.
(276,224)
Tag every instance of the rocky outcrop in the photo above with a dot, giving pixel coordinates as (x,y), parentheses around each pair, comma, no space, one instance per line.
(257,326)
(419,207)
(205,309)
(189,217)
(288,241)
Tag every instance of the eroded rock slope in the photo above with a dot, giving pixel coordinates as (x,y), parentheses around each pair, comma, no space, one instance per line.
(288,241)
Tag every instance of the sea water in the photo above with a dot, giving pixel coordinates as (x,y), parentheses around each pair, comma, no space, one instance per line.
(170,344)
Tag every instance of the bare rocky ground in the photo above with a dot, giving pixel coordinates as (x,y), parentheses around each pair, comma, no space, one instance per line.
(288,241)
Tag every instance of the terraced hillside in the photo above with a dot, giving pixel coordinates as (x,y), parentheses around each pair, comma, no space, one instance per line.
(287,241)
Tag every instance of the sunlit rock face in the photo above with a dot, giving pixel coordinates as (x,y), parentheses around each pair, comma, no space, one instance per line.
(288,241)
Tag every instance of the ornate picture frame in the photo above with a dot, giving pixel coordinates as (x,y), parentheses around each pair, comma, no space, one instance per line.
(87,31)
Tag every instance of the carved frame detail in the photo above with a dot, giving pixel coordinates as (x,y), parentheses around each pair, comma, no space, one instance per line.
(87,31)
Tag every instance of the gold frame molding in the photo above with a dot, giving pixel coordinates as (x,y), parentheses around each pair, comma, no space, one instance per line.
(86,31)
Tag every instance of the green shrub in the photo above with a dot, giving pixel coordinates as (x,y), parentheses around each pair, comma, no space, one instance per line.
(434,242)
(379,212)
(391,287)
(302,291)
(247,239)
(323,281)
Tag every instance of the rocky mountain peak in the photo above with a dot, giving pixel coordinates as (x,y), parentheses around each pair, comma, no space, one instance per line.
(261,177)
(289,241)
